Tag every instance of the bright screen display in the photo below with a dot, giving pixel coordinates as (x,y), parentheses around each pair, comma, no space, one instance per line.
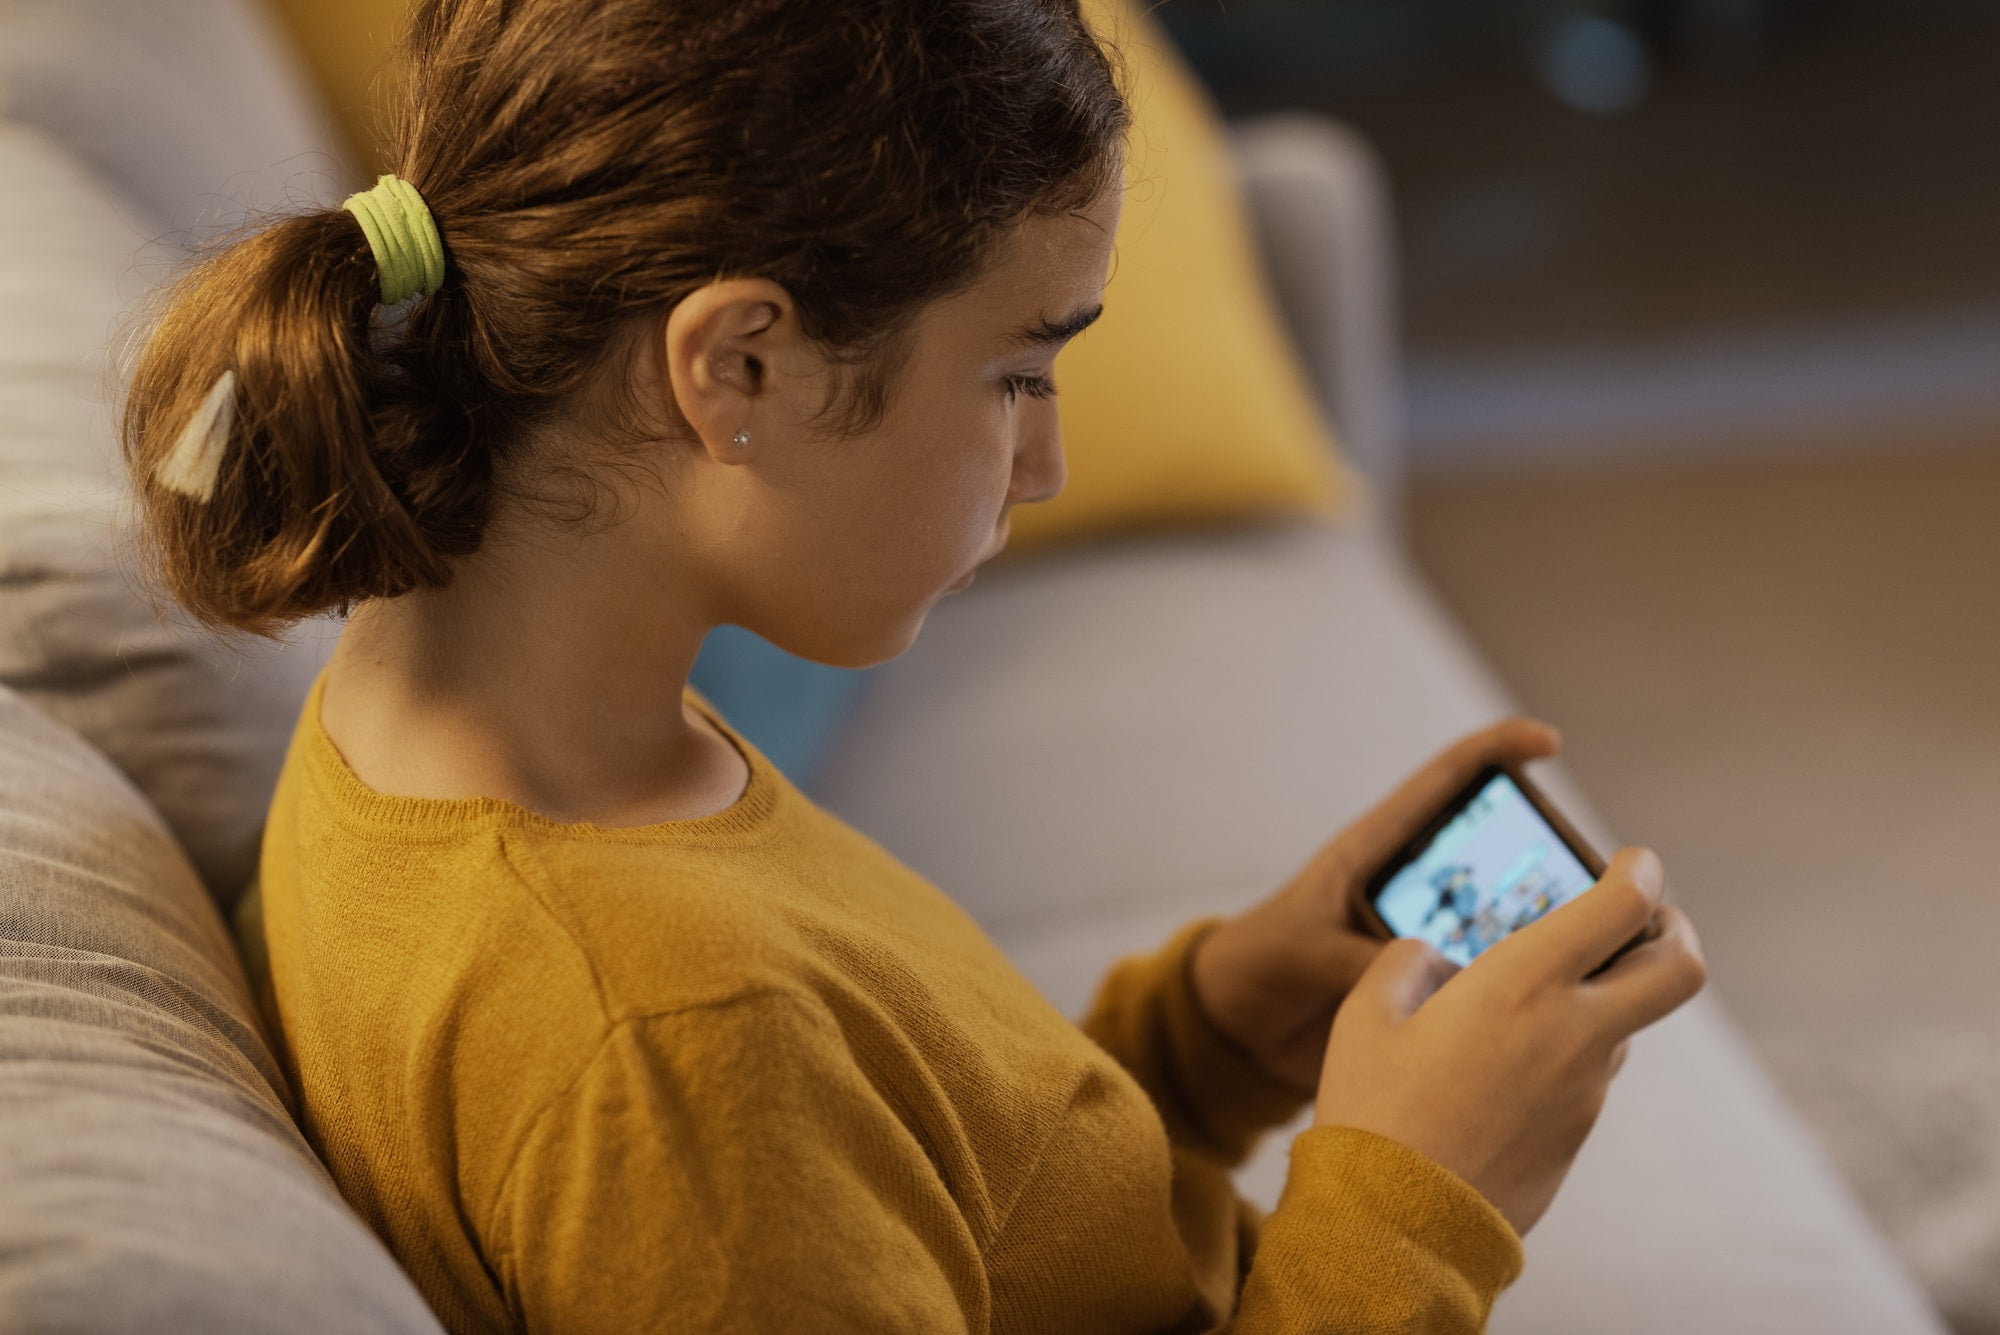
(1495,866)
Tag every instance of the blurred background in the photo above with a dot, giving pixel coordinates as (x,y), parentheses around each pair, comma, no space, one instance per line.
(1701,332)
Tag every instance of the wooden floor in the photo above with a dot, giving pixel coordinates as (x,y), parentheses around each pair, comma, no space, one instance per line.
(1782,672)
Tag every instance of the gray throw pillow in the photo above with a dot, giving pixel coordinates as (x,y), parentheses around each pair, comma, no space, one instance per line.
(130,129)
(194,110)
(152,1176)
(198,723)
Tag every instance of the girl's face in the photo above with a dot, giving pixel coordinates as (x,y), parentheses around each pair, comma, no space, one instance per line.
(836,549)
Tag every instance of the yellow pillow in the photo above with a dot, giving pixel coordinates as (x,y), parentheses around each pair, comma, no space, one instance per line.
(1185,404)
(346,45)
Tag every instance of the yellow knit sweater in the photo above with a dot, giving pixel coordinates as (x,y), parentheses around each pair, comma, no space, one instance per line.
(751,1073)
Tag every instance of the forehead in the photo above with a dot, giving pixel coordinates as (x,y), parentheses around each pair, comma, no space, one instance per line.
(1045,266)
(1068,244)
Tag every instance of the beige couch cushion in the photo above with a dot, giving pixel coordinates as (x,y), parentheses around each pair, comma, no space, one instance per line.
(1088,752)
(152,1177)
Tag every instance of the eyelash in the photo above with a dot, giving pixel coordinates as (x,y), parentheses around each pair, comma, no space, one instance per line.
(1034,386)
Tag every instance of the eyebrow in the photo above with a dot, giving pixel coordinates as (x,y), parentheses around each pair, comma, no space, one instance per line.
(1044,332)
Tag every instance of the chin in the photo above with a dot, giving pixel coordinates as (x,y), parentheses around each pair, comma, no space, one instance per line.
(865,650)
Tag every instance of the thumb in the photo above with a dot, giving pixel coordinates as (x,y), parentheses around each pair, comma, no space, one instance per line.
(1402,976)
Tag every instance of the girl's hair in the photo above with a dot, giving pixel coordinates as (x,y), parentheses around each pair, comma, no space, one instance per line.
(589,163)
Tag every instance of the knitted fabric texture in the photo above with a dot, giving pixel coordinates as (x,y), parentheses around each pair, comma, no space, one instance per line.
(750,1072)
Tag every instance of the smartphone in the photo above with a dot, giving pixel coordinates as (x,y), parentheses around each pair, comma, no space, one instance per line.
(1493,859)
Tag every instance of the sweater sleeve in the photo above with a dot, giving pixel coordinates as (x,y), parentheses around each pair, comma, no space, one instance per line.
(1214,1098)
(1369,1237)
(728,1168)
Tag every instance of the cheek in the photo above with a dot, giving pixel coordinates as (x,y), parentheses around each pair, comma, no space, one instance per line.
(951,524)
(924,501)
(959,467)
(986,472)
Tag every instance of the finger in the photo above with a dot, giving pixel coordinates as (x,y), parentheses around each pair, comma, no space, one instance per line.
(1403,975)
(1619,1053)
(1381,831)
(1631,943)
(1333,961)
(1654,979)
(1574,939)
(1325,965)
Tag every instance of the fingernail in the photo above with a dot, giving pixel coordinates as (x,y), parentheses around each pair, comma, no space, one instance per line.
(1647,871)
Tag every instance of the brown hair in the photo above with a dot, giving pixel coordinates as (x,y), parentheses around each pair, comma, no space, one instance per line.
(588,164)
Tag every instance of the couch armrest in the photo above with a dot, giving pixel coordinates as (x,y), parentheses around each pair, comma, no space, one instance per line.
(1319,202)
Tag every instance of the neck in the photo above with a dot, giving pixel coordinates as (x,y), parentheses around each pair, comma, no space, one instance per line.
(546,674)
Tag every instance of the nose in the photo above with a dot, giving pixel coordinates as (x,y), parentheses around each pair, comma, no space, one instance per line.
(1040,469)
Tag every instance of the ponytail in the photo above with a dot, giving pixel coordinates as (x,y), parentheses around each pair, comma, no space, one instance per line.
(334,475)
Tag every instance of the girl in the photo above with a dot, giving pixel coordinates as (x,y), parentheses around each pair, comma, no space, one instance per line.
(698,313)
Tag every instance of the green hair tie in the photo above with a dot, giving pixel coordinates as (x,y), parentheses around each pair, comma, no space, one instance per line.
(403,236)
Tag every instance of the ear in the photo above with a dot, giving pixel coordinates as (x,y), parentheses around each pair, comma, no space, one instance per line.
(731,349)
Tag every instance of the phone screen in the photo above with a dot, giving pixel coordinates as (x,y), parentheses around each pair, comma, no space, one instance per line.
(1494,866)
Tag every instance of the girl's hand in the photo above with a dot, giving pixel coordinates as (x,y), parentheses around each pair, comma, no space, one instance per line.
(1272,977)
(1498,1070)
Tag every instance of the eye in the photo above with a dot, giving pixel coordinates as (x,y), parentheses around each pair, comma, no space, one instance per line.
(1035,386)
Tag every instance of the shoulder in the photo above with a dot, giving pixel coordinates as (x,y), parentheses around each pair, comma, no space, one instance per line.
(765,1073)
(697,1166)
(663,929)
(758,1072)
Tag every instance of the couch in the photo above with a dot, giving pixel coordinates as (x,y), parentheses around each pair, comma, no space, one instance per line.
(1086,749)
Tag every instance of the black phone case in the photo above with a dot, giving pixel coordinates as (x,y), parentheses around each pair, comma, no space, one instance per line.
(1417,842)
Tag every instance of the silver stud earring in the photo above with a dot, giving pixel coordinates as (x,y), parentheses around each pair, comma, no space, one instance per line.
(741,438)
